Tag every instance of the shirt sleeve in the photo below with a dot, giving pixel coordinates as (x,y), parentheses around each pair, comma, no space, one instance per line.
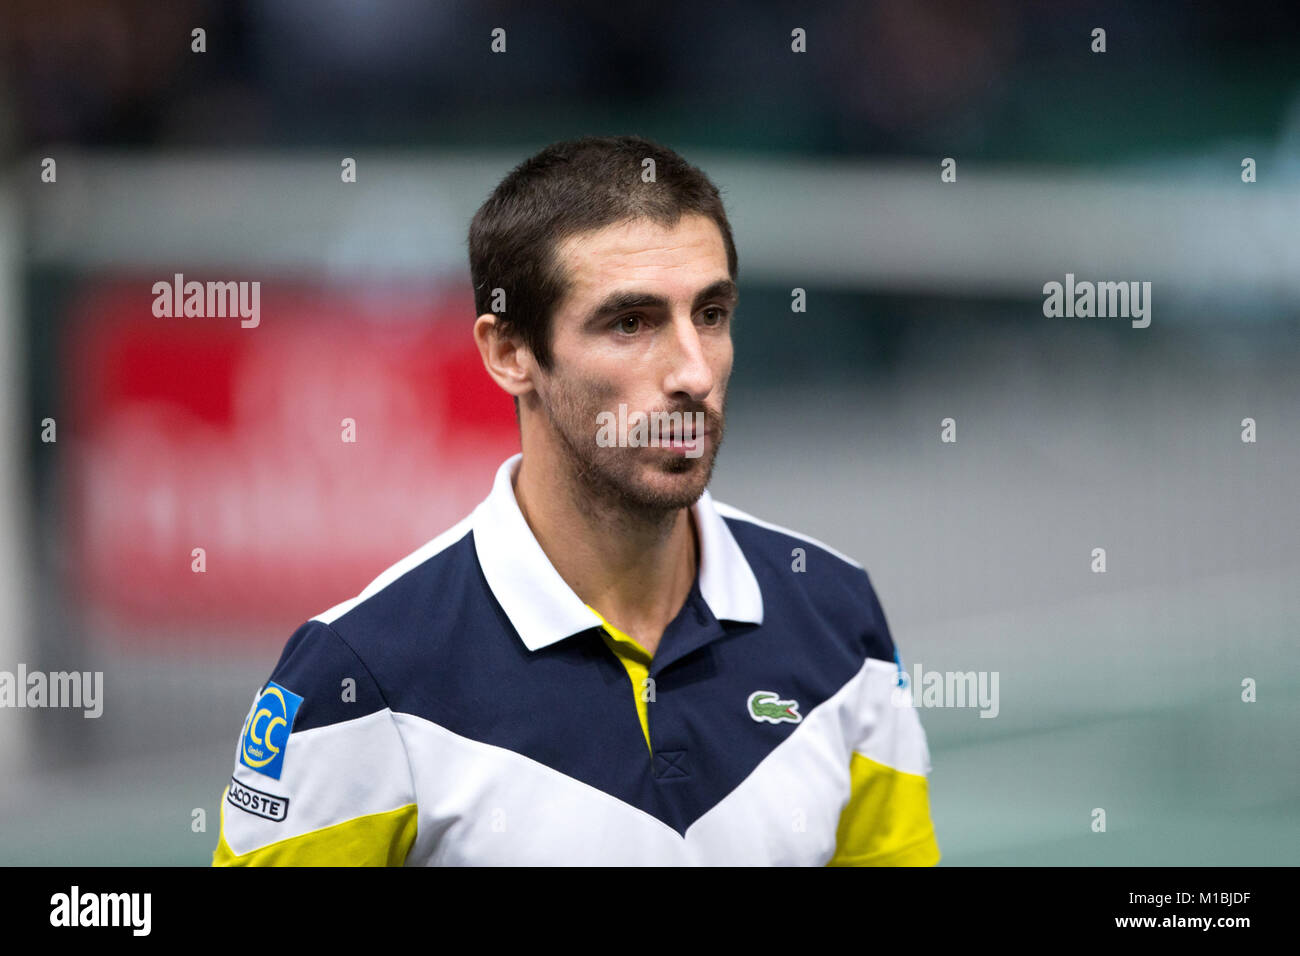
(321,776)
(886,820)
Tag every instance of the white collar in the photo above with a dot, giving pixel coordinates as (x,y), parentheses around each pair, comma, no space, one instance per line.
(544,609)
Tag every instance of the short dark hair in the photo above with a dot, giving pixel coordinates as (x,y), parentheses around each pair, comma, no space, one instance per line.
(569,188)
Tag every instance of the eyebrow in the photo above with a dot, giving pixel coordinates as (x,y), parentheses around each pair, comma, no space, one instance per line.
(723,290)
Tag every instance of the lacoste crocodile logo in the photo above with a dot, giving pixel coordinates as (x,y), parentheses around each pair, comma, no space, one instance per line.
(766,706)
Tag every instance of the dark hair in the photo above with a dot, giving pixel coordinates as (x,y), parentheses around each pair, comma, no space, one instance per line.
(568,188)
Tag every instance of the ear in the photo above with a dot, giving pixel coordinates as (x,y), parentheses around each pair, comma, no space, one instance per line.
(507,360)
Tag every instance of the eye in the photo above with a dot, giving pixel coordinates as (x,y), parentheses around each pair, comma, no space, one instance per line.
(629,324)
(719,315)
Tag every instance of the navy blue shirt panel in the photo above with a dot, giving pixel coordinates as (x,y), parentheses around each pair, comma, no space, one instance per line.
(315,664)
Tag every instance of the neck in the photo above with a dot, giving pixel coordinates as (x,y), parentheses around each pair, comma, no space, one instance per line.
(636,568)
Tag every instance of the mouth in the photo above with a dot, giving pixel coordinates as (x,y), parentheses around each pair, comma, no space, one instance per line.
(675,433)
(678,437)
(692,447)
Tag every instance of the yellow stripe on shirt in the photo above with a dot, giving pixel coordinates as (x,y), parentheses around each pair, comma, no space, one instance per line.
(376,839)
(886,821)
(636,660)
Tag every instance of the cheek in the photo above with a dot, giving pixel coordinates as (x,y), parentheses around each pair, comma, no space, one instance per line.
(722,362)
(583,397)
(601,392)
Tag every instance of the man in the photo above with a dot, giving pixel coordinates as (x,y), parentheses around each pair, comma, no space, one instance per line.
(600,664)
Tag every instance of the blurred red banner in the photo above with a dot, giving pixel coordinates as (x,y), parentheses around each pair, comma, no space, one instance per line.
(197,433)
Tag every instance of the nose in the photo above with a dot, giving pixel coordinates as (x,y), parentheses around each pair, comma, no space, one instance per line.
(689,373)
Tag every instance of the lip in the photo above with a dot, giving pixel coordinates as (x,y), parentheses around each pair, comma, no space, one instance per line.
(703,433)
(678,445)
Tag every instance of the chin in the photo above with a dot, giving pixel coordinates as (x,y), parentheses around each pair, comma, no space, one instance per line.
(652,485)
(675,483)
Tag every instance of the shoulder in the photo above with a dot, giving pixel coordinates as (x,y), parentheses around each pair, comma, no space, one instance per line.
(383,632)
(440,558)
(323,679)
(768,535)
(810,580)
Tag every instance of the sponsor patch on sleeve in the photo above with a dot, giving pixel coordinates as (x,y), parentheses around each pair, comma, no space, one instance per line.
(257,802)
(266,734)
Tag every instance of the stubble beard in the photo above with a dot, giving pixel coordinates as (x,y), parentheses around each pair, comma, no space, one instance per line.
(610,479)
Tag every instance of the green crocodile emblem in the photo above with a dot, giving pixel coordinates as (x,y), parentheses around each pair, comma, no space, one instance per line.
(767,706)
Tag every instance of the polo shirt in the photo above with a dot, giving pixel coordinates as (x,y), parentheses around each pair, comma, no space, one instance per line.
(468,708)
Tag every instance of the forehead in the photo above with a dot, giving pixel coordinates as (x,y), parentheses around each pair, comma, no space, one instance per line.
(689,254)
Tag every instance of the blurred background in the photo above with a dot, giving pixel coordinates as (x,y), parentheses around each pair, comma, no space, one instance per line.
(1119,690)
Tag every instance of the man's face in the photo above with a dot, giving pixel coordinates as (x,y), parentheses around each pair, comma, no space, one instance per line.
(646,323)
